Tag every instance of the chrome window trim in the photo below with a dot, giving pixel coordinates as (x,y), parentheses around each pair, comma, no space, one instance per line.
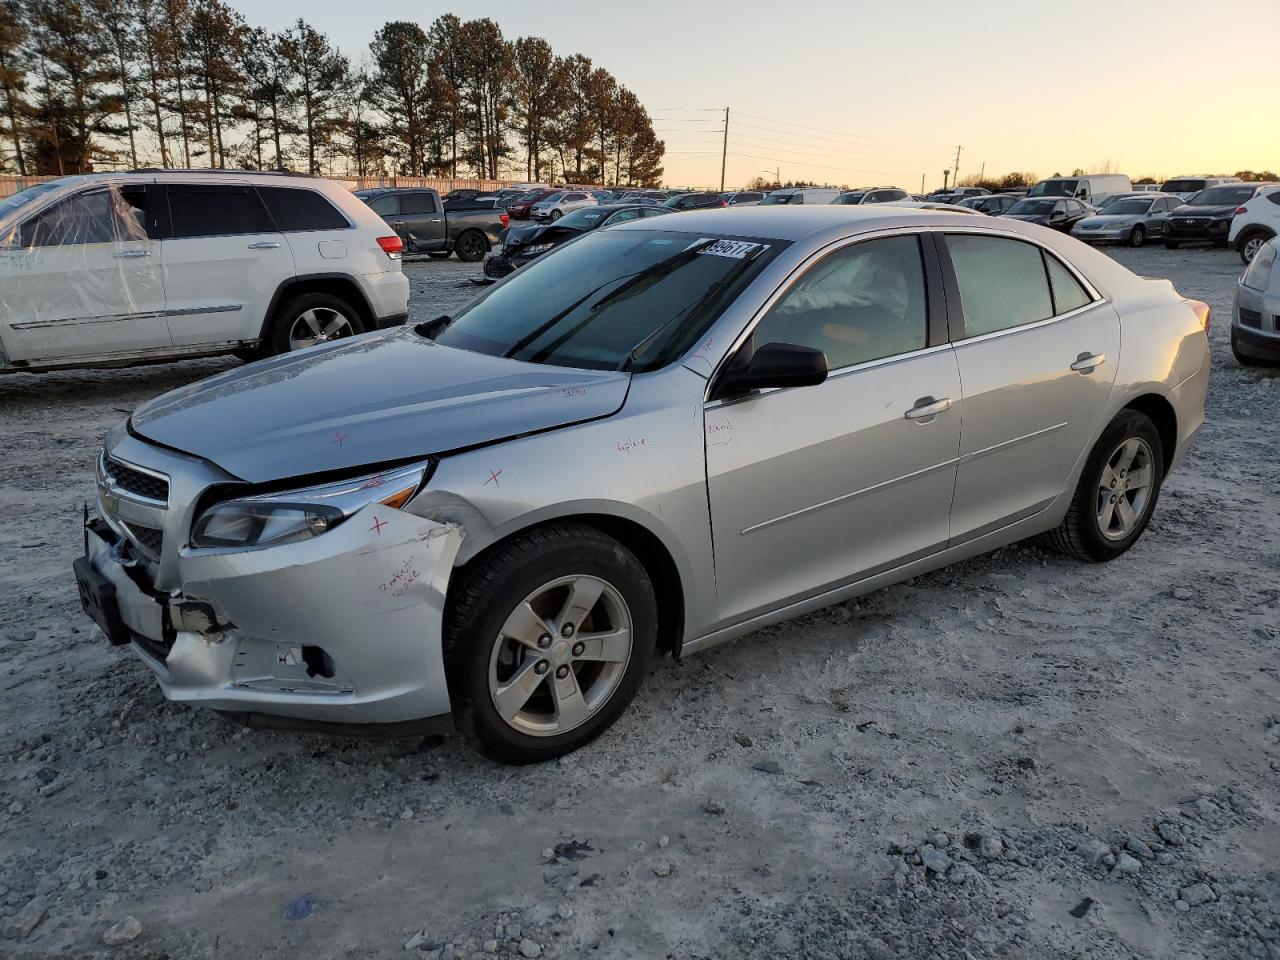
(787,282)
(1021,328)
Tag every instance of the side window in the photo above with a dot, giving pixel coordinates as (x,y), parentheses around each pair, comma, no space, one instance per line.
(1002,283)
(1068,295)
(858,304)
(387,205)
(622,216)
(216,210)
(796,198)
(1274,197)
(84,218)
(297,208)
(420,202)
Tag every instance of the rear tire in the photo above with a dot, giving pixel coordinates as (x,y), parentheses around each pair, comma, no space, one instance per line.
(310,319)
(494,653)
(471,246)
(1249,244)
(1126,464)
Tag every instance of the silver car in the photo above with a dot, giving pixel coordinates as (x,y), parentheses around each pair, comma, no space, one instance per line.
(669,434)
(1131,220)
(1255,322)
(556,205)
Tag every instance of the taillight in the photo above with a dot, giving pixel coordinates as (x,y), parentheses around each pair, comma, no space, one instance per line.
(504,218)
(723,204)
(1202,312)
(391,246)
(1239,210)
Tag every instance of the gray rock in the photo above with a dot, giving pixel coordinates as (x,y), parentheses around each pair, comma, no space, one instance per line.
(491,946)
(934,859)
(1181,593)
(877,949)
(1164,859)
(1197,894)
(417,941)
(49,789)
(767,766)
(990,847)
(513,931)
(713,806)
(664,868)
(1093,850)
(1206,809)
(1138,848)
(19,927)
(958,874)
(127,929)
(564,911)
(1181,906)
(529,949)
(16,808)
(939,840)
(1127,864)
(1171,833)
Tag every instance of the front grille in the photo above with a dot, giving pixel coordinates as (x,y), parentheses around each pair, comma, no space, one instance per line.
(151,540)
(1250,318)
(138,483)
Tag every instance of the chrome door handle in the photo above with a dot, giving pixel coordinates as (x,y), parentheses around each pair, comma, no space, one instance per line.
(397,223)
(265,245)
(132,254)
(1087,362)
(437,219)
(928,407)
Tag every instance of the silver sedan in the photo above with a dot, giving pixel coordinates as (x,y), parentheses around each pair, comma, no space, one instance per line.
(658,438)
(1131,220)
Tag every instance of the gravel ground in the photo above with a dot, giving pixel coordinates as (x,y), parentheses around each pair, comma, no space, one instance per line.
(1019,756)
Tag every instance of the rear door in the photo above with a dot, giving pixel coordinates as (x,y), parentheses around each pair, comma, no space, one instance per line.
(82,278)
(1037,354)
(421,220)
(223,262)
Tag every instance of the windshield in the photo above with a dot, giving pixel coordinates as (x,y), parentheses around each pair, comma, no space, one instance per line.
(1054,188)
(611,300)
(847,198)
(1127,207)
(584,219)
(551,198)
(23,197)
(777,198)
(1034,207)
(1183,186)
(1221,196)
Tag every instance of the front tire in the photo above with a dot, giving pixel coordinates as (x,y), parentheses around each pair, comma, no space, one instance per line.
(556,215)
(1117,492)
(1137,237)
(547,640)
(310,319)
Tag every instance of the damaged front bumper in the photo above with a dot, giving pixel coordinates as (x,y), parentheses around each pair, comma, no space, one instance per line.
(343,629)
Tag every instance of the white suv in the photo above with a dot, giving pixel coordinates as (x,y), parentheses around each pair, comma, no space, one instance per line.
(1255,223)
(119,268)
(557,205)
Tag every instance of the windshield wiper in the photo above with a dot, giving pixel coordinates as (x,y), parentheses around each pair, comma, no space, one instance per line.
(693,309)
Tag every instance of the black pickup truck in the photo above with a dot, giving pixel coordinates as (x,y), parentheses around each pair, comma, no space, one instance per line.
(426,225)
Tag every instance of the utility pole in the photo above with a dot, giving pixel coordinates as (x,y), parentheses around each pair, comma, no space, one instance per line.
(945,174)
(983,174)
(956,168)
(724,152)
(922,184)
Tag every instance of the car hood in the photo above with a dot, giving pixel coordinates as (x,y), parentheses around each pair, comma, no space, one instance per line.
(1110,220)
(1205,210)
(368,400)
(546,233)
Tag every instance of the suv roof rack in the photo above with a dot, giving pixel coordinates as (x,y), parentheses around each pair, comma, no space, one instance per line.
(230,170)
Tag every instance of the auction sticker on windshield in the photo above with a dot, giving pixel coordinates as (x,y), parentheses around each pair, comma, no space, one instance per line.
(734,249)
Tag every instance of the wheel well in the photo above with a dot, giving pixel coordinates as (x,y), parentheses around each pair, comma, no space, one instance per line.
(342,287)
(1161,413)
(651,553)
(1248,232)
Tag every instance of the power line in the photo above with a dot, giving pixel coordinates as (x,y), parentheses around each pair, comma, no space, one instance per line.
(856,136)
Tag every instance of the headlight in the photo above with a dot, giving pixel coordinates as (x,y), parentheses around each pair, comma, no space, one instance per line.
(273,519)
(1259,273)
(536,248)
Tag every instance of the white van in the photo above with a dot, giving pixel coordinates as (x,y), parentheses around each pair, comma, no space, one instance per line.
(798,195)
(1188,187)
(1089,187)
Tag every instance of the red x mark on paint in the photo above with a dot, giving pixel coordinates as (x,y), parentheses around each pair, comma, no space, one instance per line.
(378,525)
(338,438)
(493,478)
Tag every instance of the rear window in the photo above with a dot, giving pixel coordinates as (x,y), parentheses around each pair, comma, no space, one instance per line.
(216,210)
(1183,186)
(294,208)
(417,203)
(1221,196)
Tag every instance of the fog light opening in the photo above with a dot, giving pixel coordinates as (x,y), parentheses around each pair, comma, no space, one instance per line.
(319,663)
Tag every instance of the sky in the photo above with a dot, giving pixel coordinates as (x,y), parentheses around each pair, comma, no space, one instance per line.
(882,93)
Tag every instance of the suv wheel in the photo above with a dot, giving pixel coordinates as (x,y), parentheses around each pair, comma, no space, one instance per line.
(310,319)
(471,246)
(1249,244)
(547,641)
(1117,491)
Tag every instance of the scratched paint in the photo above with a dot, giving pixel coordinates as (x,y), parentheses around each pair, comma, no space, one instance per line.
(493,478)
(626,446)
(574,392)
(340,438)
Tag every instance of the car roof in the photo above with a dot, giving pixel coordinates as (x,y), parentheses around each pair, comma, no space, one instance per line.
(795,223)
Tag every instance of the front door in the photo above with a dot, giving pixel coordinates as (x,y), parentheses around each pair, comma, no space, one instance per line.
(812,487)
(224,260)
(82,279)
(1038,354)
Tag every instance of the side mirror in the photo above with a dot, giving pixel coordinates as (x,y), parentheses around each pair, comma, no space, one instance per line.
(773,365)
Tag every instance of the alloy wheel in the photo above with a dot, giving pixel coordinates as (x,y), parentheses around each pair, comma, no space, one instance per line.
(1251,248)
(1124,489)
(560,655)
(318,325)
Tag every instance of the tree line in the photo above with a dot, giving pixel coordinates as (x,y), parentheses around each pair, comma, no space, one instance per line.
(189,83)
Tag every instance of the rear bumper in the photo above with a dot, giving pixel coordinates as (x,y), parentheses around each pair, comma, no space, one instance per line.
(343,629)
(388,294)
